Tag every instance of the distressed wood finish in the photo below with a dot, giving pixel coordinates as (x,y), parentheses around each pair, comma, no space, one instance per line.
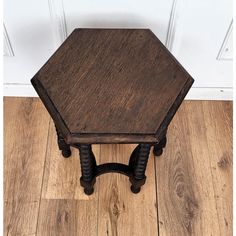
(112,86)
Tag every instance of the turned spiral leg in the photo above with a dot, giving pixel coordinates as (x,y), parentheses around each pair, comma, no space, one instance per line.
(88,165)
(138,177)
(158,148)
(133,157)
(63,146)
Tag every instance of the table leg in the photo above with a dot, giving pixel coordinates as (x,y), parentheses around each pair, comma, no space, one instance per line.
(88,168)
(63,146)
(135,170)
(158,148)
(133,157)
(138,177)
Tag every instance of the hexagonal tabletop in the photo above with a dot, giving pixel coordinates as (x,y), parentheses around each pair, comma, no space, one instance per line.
(112,86)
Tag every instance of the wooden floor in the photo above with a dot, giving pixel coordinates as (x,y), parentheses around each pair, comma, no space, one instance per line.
(188,189)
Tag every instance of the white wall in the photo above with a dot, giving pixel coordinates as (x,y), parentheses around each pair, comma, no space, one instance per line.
(198,33)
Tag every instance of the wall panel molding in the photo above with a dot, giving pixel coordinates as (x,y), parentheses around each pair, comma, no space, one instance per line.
(226,49)
(175,14)
(8,51)
(58,21)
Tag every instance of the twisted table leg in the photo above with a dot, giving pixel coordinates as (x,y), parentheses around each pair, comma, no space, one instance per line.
(158,148)
(88,165)
(63,146)
(138,177)
(133,157)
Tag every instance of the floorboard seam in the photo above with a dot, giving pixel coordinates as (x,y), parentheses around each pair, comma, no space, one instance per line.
(44,166)
(157,203)
(212,177)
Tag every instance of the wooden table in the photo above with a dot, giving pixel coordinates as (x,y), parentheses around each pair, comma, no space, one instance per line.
(112,86)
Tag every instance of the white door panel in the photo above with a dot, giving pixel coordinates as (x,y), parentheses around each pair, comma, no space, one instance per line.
(153,14)
(199,38)
(226,51)
(29,30)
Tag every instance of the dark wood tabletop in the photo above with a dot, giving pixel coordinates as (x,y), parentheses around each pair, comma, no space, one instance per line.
(112,86)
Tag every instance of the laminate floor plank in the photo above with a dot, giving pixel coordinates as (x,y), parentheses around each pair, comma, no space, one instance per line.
(120,212)
(218,119)
(26,124)
(186,185)
(67,217)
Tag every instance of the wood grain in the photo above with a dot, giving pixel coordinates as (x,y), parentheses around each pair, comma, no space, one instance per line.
(67,217)
(120,212)
(26,125)
(111,81)
(186,186)
(218,120)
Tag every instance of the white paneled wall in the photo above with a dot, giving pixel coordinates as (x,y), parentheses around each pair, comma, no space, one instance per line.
(198,33)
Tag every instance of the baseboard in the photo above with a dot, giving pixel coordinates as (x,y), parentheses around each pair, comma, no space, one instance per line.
(201,93)
(19,90)
(26,90)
